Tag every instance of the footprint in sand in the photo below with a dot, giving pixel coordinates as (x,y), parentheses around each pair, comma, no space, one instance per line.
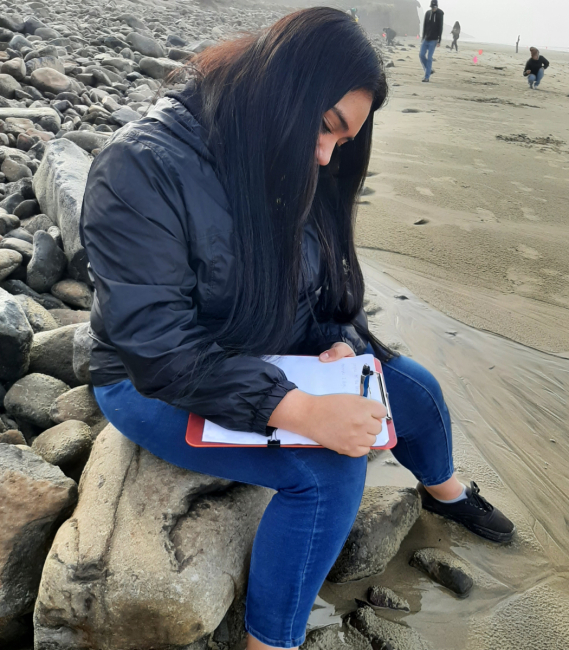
(445,179)
(552,273)
(486,215)
(530,214)
(425,191)
(528,252)
(521,186)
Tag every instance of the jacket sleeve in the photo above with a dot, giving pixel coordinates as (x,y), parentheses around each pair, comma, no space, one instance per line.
(425,25)
(322,335)
(441,27)
(545,63)
(134,229)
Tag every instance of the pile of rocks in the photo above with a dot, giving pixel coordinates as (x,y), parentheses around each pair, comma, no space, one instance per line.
(122,572)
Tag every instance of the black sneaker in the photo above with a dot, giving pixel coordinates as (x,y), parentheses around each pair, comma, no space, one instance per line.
(474,513)
(425,80)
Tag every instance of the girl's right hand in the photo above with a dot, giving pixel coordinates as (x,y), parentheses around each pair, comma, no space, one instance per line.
(347,424)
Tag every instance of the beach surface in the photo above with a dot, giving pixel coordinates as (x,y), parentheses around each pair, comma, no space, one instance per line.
(463,238)
(470,198)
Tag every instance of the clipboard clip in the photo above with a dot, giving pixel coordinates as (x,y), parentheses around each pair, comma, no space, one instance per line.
(273,441)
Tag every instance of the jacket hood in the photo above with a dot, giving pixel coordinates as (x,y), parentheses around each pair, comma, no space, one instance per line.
(179,118)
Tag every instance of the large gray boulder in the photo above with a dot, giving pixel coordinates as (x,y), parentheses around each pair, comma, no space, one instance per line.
(88,140)
(50,80)
(52,62)
(65,445)
(31,397)
(38,317)
(337,637)
(33,114)
(152,557)
(16,338)
(70,317)
(382,634)
(52,354)
(8,86)
(15,68)
(146,45)
(47,264)
(132,21)
(74,293)
(59,185)
(35,498)
(124,115)
(10,260)
(385,517)
(82,347)
(13,24)
(37,222)
(159,68)
(31,24)
(117,62)
(78,404)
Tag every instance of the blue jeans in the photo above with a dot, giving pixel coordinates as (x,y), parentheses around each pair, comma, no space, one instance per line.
(426,55)
(535,79)
(318,494)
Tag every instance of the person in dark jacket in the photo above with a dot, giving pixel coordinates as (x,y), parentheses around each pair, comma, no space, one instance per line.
(455,32)
(219,229)
(432,34)
(390,35)
(535,68)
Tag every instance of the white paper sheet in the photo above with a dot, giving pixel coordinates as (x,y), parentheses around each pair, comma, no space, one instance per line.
(314,377)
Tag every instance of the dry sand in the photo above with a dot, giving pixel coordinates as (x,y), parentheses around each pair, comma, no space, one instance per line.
(493,255)
(494,250)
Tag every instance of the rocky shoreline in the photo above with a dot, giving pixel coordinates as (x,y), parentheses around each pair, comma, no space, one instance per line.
(135,556)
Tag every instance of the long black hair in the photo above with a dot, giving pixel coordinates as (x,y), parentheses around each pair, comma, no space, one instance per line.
(263,98)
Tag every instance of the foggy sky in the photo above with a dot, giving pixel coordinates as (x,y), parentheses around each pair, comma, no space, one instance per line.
(539,22)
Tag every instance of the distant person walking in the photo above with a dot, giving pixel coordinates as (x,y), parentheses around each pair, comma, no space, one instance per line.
(455,36)
(353,12)
(390,35)
(432,34)
(535,68)
(517,44)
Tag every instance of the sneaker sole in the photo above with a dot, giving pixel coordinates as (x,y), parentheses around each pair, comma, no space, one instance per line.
(486,533)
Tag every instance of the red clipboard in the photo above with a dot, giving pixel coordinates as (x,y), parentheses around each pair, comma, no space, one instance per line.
(194,430)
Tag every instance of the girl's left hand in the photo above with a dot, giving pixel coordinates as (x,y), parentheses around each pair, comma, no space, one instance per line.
(337,351)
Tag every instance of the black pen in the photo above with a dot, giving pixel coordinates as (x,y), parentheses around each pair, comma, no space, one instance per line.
(364,388)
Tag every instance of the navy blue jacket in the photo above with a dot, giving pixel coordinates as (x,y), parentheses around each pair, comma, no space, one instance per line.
(433,25)
(158,234)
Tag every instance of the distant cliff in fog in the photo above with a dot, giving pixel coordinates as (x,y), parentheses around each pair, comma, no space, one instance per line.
(400,15)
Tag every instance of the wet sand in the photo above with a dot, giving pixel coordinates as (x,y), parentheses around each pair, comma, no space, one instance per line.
(479,295)
(509,409)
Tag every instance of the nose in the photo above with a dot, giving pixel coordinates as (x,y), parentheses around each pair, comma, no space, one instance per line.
(324,150)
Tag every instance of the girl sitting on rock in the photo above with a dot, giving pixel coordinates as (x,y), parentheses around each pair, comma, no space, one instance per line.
(219,229)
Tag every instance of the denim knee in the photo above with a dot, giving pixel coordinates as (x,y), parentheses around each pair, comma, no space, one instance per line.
(422,421)
(346,489)
(339,481)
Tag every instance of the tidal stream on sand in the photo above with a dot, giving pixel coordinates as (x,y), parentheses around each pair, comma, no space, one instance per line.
(509,408)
